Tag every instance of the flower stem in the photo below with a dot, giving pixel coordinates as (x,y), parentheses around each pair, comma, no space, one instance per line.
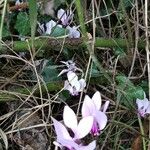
(142,132)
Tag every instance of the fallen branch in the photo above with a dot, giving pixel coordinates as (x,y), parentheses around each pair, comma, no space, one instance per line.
(51,43)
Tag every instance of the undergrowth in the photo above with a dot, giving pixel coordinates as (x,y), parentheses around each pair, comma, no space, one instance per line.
(107,41)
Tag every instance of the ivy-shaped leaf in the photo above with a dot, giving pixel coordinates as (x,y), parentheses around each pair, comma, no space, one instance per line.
(58,31)
(23,24)
(129,92)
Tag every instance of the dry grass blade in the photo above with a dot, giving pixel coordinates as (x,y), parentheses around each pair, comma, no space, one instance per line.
(4,138)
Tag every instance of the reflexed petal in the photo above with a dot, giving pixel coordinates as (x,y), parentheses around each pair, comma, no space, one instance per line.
(101,119)
(142,103)
(148,109)
(87,107)
(49,26)
(90,146)
(77,86)
(73,32)
(70,118)
(70,144)
(105,106)
(97,100)
(60,13)
(68,87)
(60,130)
(82,84)
(72,78)
(62,72)
(84,127)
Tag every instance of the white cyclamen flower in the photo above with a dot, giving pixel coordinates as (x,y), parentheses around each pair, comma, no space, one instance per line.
(73,85)
(50,25)
(143,106)
(71,66)
(65,17)
(73,32)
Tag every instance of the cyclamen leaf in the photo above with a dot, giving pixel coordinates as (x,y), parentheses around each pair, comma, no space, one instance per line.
(22,24)
(58,31)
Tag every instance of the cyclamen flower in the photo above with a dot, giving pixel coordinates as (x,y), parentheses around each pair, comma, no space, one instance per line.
(143,106)
(92,107)
(50,25)
(71,66)
(73,85)
(65,17)
(73,32)
(80,130)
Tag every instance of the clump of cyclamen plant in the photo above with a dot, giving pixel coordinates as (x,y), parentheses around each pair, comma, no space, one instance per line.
(72,84)
(80,130)
(93,121)
(64,20)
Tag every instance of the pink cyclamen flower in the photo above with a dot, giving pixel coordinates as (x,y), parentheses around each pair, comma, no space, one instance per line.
(93,107)
(143,106)
(73,85)
(80,130)
(65,16)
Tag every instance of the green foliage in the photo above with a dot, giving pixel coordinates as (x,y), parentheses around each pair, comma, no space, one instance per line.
(119,52)
(58,31)
(50,72)
(5,31)
(23,24)
(95,72)
(129,92)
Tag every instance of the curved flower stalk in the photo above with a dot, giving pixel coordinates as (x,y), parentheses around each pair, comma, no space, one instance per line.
(80,130)
(143,106)
(65,17)
(92,107)
(73,85)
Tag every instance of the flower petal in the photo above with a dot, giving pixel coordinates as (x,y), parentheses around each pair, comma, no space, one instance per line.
(84,127)
(87,107)
(105,106)
(142,103)
(90,146)
(73,32)
(97,100)
(49,26)
(70,118)
(60,130)
(101,119)
(72,78)
(60,13)
(68,87)
(62,72)
(148,109)
(82,84)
